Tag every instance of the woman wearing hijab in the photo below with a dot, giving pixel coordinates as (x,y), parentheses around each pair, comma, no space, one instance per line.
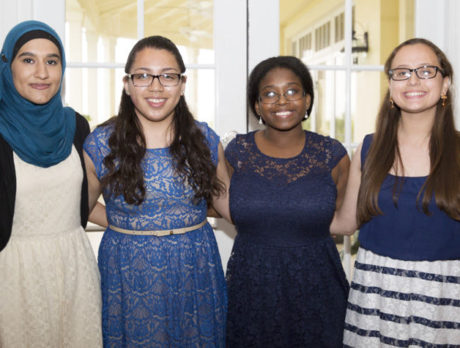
(49,281)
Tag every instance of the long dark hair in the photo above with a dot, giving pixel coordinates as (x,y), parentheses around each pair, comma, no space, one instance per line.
(189,147)
(444,178)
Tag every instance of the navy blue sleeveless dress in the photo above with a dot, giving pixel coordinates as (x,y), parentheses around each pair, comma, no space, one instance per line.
(286,284)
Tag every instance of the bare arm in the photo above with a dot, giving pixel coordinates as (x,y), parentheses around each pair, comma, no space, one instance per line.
(221,203)
(98,215)
(340,177)
(344,221)
(94,185)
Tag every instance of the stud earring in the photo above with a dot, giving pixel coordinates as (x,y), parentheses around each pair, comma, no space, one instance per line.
(444,100)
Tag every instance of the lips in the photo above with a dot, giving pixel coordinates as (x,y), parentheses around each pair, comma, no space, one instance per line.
(283,114)
(156,102)
(414,94)
(39,86)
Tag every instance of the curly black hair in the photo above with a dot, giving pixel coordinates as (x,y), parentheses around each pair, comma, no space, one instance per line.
(189,147)
(264,67)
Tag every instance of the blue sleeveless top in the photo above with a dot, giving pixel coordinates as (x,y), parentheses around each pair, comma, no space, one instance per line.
(404,232)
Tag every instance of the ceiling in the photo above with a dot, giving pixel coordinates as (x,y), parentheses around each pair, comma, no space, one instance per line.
(186,22)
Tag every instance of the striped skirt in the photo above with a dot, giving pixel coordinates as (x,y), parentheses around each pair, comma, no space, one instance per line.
(395,303)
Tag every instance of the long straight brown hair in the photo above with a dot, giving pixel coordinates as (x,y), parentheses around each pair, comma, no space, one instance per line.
(443,181)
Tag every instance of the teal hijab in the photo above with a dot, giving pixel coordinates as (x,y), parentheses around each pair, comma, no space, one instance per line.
(40,134)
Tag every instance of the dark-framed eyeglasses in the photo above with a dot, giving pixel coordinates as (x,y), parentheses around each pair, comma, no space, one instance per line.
(272,97)
(145,80)
(423,72)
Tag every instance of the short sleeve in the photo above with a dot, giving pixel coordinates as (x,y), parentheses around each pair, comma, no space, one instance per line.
(212,139)
(96,146)
(337,152)
(230,152)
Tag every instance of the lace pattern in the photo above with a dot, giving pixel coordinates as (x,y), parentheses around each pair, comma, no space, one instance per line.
(285,280)
(160,291)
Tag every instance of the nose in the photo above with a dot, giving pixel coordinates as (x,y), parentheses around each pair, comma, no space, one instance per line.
(413,79)
(282,99)
(156,84)
(41,70)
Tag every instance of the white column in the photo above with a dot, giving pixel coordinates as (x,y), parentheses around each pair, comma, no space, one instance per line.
(91,89)
(263,37)
(437,22)
(230,31)
(74,77)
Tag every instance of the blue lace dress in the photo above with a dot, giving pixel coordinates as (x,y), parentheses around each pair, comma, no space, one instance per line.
(159,291)
(286,284)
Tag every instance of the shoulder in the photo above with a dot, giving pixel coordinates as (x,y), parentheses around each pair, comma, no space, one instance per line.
(240,140)
(205,129)
(325,142)
(102,132)
(365,145)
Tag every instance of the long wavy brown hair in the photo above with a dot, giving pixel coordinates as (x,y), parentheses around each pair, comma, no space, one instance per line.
(189,148)
(443,181)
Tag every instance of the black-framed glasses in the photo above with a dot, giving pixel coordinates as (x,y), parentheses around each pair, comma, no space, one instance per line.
(423,72)
(271,97)
(145,80)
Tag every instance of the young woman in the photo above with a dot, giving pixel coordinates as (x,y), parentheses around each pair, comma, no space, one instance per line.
(404,193)
(49,281)
(159,169)
(286,284)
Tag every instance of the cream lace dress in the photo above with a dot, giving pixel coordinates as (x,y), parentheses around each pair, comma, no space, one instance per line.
(49,281)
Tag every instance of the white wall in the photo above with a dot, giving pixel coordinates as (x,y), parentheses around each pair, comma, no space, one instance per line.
(51,12)
(437,21)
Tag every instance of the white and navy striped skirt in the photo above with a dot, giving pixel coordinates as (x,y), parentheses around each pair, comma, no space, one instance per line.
(395,303)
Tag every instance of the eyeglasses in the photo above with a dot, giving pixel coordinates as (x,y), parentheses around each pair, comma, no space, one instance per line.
(145,80)
(423,72)
(271,97)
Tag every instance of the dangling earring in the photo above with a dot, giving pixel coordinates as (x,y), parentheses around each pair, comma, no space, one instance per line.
(392,103)
(444,100)
(261,122)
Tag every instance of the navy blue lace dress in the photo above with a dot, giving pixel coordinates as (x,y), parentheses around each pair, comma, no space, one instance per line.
(159,291)
(286,284)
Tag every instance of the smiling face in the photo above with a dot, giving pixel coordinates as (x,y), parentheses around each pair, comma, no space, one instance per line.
(37,70)
(154,103)
(283,114)
(417,95)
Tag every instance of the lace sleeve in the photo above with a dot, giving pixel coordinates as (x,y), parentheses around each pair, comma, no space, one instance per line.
(96,146)
(212,139)
(338,151)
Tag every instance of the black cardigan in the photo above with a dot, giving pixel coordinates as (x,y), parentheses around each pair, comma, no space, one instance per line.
(8,181)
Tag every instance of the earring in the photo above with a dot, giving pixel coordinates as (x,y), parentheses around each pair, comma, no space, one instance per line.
(392,103)
(444,100)
(261,122)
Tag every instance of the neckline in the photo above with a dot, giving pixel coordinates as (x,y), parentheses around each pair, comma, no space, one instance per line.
(253,140)
(407,177)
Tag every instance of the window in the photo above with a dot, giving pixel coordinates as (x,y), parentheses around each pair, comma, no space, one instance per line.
(100,34)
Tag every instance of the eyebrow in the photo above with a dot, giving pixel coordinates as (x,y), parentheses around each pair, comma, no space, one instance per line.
(288,84)
(51,55)
(405,66)
(162,70)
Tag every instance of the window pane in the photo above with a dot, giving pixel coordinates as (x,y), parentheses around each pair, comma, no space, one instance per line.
(378,27)
(200,94)
(188,23)
(313,30)
(104,32)
(365,101)
(94,93)
(94,30)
